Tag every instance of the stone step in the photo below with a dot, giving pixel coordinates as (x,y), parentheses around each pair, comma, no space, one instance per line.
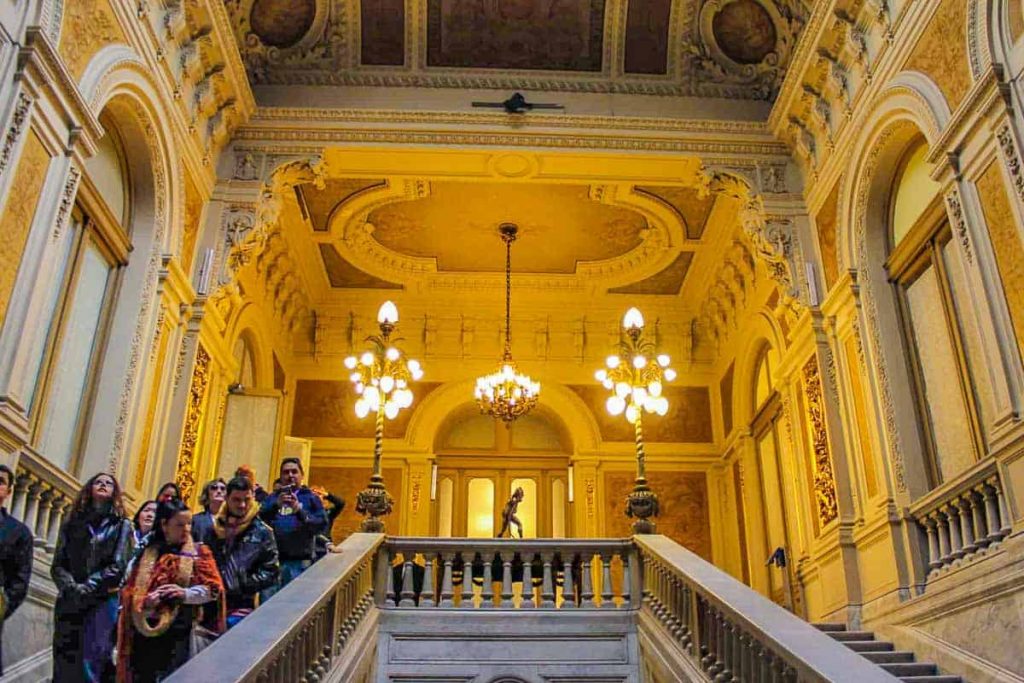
(889,657)
(829,627)
(902,669)
(869,646)
(844,636)
(938,678)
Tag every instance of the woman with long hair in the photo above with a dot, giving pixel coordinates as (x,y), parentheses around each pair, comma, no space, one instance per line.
(168,491)
(143,521)
(211,498)
(173,585)
(93,548)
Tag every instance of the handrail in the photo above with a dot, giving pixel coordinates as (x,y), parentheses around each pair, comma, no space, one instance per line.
(302,630)
(733,632)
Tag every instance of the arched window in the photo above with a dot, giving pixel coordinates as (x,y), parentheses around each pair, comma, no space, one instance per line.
(93,255)
(926,273)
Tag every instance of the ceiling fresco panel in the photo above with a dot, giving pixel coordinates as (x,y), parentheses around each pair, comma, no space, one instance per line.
(560,35)
(382,27)
(691,208)
(647,29)
(669,280)
(318,205)
(343,275)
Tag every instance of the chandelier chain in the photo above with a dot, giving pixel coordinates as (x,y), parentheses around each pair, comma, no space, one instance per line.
(508,297)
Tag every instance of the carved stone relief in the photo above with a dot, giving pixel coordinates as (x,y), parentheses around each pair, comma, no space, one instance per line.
(185,471)
(824,480)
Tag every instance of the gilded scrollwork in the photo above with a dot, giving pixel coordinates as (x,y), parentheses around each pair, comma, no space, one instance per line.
(185,471)
(824,479)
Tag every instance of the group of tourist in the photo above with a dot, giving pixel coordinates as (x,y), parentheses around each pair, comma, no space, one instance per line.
(136,598)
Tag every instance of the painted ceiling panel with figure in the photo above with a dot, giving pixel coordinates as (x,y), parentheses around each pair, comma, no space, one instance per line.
(559,226)
(735,49)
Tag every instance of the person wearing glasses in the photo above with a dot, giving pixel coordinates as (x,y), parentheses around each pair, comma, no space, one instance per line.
(212,498)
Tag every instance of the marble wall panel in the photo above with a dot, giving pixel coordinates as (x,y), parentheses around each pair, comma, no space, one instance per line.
(941,52)
(346,482)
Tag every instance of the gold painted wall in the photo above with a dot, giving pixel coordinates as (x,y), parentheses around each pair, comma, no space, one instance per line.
(346,482)
(825,222)
(684,507)
(87,26)
(19,213)
(326,408)
(1006,243)
(942,51)
(688,419)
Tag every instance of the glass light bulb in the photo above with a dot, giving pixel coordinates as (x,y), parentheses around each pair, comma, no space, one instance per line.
(670,374)
(413,365)
(359,388)
(387,383)
(400,383)
(372,395)
(639,362)
(601,375)
(416,374)
(366,359)
(392,354)
(632,413)
(639,395)
(362,409)
(356,377)
(615,405)
(391,410)
(654,389)
(622,389)
(664,360)
(350,362)
(633,318)
(613,361)
(662,406)
(607,383)
(388,313)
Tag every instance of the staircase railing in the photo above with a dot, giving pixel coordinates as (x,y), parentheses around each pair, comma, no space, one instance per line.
(303,632)
(468,573)
(733,633)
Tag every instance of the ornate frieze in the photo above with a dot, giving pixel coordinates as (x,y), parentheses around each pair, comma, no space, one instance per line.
(956,217)
(18,120)
(1008,146)
(67,201)
(185,472)
(824,479)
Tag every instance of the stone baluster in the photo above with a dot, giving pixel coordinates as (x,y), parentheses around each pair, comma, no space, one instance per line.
(568,587)
(717,644)
(607,592)
(627,579)
(1004,513)
(658,605)
(952,513)
(427,591)
(677,628)
(43,518)
(646,593)
(57,508)
(506,582)
(991,512)
(726,652)
(32,507)
(586,581)
(408,597)
(943,532)
(389,592)
(933,543)
(978,517)
(528,601)
(20,496)
(547,586)
(686,615)
(447,589)
(963,504)
(762,663)
(487,590)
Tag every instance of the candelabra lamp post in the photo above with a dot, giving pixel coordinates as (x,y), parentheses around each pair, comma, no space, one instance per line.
(381,376)
(635,375)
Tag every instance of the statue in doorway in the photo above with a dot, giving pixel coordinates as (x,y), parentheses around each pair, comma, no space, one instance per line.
(508,515)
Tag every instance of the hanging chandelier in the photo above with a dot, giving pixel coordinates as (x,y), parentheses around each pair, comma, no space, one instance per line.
(506,393)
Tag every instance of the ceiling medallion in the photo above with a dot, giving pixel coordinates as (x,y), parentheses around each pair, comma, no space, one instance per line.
(506,394)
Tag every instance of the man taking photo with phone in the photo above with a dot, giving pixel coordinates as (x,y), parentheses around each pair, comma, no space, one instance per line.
(296,515)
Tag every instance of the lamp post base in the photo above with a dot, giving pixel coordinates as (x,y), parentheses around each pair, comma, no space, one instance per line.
(375,502)
(642,504)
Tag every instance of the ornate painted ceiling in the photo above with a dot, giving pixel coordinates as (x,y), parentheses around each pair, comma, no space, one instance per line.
(736,49)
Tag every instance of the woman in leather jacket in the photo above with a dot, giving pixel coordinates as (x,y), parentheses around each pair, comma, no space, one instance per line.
(93,549)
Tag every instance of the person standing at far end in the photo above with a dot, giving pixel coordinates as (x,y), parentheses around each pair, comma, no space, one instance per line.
(296,515)
(15,556)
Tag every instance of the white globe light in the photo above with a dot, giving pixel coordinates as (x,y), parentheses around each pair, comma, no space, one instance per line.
(670,374)
(387,383)
(391,410)
(356,377)
(392,354)
(366,359)
(622,389)
(639,362)
(372,396)
(362,409)
(654,389)
(388,313)
(662,407)
(639,395)
(350,362)
(601,375)
(414,365)
(664,360)
(607,383)
(615,405)
(613,361)
(416,374)
(632,413)
(633,318)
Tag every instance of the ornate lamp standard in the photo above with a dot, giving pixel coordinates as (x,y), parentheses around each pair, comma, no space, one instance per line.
(635,375)
(381,376)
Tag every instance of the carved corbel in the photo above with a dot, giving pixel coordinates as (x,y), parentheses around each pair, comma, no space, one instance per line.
(804,141)
(837,80)
(772,239)
(821,113)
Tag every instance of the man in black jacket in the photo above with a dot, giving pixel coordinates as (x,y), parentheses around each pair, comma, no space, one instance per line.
(244,548)
(15,555)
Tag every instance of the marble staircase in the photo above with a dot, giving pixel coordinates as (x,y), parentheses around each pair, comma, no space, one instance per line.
(901,664)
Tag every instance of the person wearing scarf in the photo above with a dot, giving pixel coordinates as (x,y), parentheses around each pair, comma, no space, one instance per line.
(93,548)
(172,585)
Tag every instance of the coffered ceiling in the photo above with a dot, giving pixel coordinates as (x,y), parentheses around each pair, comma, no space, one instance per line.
(736,49)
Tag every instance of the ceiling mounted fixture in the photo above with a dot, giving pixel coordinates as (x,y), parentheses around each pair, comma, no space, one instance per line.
(507,394)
